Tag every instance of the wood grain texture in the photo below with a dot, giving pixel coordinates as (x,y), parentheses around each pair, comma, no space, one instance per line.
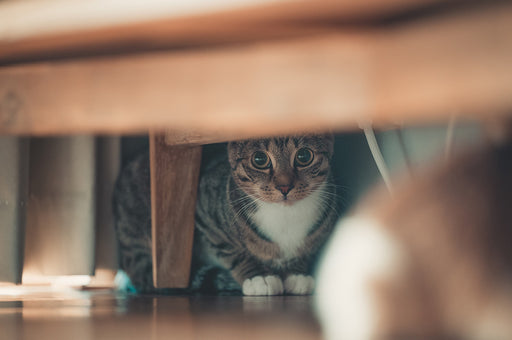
(416,72)
(58,28)
(243,88)
(194,137)
(59,314)
(455,64)
(174,179)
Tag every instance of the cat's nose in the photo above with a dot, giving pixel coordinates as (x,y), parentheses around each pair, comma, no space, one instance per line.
(285,189)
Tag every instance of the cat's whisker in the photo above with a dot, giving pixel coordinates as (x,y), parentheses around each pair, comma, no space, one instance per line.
(327,206)
(243,199)
(328,200)
(248,204)
(246,210)
(338,187)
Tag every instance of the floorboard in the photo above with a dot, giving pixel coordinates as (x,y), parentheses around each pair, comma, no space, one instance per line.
(101,315)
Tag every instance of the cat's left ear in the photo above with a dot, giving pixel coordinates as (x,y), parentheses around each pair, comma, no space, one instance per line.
(329,143)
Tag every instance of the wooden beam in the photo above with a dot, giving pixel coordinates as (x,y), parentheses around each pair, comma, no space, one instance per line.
(455,64)
(174,179)
(191,137)
(61,28)
(416,72)
(248,87)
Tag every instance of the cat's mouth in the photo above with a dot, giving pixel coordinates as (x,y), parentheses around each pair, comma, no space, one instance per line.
(285,200)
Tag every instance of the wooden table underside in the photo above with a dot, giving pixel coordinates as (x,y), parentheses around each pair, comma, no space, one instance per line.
(193,75)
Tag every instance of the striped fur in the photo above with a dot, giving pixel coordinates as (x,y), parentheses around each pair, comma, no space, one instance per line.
(132,213)
(250,234)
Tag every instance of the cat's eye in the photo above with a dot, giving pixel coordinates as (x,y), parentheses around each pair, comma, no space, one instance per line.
(260,160)
(304,157)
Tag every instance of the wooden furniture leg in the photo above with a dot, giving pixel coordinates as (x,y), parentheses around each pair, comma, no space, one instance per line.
(174,180)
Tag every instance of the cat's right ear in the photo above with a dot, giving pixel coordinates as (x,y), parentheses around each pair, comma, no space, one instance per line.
(330,140)
(235,153)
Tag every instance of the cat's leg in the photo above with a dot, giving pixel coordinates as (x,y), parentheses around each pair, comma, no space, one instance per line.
(296,280)
(361,253)
(254,279)
(263,285)
(140,271)
(212,279)
(299,284)
(135,259)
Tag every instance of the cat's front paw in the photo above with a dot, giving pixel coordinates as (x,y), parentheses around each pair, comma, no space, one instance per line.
(298,284)
(263,285)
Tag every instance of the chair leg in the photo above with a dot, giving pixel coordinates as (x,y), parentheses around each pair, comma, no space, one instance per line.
(174,180)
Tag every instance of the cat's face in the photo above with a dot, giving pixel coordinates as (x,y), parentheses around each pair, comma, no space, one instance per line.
(282,169)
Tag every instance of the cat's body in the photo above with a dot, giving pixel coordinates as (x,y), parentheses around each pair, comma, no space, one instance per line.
(434,262)
(262,214)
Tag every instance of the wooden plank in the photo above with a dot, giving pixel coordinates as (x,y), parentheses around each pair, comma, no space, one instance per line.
(456,65)
(174,179)
(260,86)
(61,216)
(414,73)
(13,206)
(193,137)
(60,28)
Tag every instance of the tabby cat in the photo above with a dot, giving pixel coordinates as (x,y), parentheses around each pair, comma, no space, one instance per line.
(434,262)
(263,212)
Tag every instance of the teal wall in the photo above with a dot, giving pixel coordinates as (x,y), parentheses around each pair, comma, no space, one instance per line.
(355,169)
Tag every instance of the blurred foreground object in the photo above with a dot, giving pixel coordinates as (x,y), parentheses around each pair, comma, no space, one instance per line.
(433,261)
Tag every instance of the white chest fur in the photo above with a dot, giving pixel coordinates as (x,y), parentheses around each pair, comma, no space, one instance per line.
(286,225)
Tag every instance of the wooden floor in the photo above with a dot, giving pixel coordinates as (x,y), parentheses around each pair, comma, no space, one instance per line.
(78,315)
